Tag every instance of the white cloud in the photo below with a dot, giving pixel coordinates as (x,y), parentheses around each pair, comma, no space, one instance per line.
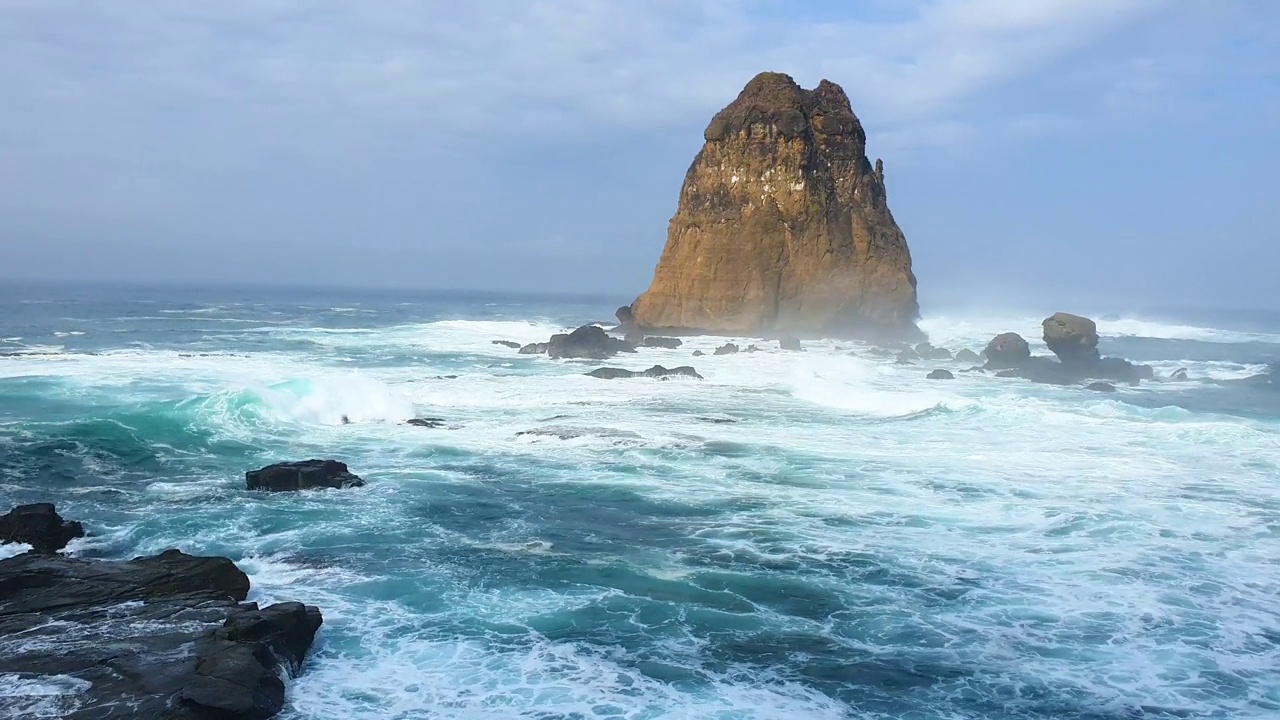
(253,74)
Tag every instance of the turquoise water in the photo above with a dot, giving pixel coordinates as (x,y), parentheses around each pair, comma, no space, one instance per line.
(810,535)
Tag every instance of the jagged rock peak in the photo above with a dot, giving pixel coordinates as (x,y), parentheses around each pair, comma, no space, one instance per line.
(782,226)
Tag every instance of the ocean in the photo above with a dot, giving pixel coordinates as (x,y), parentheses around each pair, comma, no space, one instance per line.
(799,535)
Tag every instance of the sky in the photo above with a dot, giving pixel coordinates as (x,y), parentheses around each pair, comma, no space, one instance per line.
(1034,150)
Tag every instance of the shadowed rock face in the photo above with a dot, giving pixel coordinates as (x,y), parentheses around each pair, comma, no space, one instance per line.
(40,526)
(166,637)
(782,226)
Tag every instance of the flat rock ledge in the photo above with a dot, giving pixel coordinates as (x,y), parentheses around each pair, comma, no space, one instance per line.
(165,637)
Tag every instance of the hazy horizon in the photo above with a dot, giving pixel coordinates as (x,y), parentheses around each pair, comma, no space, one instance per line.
(1117,151)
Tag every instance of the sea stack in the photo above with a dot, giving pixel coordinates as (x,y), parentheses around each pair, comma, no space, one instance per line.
(782,227)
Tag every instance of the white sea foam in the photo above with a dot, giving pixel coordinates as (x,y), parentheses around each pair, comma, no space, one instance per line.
(8,550)
(1106,551)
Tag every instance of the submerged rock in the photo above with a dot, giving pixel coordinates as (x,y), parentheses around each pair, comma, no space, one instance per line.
(303,475)
(657,371)
(167,637)
(940,375)
(789,343)
(726,349)
(698,353)
(40,526)
(429,422)
(507,343)
(783,226)
(662,342)
(1100,386)
(1179,374)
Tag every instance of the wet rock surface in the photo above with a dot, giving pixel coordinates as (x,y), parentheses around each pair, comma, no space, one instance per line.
(167,637)
(40,526)
(304,475)
(657,371)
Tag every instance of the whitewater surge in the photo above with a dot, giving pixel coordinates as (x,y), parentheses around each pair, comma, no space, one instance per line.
(816,534)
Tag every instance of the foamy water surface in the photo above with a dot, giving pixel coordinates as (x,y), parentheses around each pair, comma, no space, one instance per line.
(823,534)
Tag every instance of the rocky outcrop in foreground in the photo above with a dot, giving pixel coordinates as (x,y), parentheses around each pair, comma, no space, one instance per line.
(782,227)
(1074,339)
(40,526)
(167,637)
(304,475)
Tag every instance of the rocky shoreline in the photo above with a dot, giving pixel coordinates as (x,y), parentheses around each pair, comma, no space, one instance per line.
(168,636)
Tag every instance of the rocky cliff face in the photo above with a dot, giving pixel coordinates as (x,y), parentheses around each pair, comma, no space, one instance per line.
(782,226)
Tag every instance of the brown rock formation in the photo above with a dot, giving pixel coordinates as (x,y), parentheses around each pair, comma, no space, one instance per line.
(782,226)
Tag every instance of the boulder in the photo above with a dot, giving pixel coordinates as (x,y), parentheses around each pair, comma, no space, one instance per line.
(1074,339)
(698,353)
(726,349)
(783,225)
(906,357)
(1007,351)
(534,349)
(968,356)
(427,422)
(657,371)
(40,526)
(940,375)
(626,320)
(507,343)
(662,342)
(303,475)
(167,637)
(588,341)
(1100,386)
(789,343)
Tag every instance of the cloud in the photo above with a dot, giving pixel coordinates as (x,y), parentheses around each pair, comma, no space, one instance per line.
(496,67)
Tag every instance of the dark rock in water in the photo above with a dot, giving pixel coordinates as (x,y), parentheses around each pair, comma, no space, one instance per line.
(906,358)
(789,343)
(717,420)
(446,377)
(534,349)
(507,343)
(726,349)
(662,342)
(430,422)
(657,371)
(698,353)
(881,352)
(1179,374)
(302,476)
(969,356)
(907,353)
(166,637)
(588,341)
(1074,339)
(751,349)
(940,375)
(635,337)
(1100,386)
(626,320)
(1005,351)
(40,526)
